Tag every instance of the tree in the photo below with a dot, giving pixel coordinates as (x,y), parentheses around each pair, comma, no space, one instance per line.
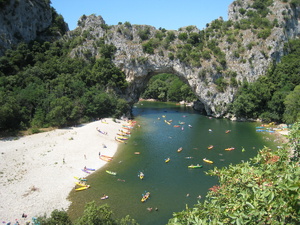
(95,215)
(292,106)
(57,217)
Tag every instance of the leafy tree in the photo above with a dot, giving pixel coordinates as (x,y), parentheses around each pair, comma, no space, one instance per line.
(292,106)
(94,215)
(57,217)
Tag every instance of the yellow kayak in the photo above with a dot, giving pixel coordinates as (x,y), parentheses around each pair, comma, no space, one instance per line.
(82,188)
(208,161)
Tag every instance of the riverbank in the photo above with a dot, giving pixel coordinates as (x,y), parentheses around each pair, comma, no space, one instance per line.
(37,171)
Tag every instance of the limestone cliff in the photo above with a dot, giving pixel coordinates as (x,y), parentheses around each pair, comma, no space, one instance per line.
(213,61)
(23,21)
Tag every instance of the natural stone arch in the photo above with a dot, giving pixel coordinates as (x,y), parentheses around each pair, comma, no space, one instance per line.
(138,76)
(138,64)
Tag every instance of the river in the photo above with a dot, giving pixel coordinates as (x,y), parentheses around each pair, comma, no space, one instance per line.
(172,185)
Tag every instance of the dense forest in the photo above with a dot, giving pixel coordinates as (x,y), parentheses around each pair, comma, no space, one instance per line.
(41,86)
(168,87)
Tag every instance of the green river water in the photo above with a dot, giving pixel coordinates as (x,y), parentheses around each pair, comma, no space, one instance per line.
(168,183)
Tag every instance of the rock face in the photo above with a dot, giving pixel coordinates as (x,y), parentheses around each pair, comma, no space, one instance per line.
(214,62)
(22,20)
(246,55)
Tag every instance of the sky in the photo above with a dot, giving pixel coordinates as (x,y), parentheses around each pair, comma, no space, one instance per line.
(168,14)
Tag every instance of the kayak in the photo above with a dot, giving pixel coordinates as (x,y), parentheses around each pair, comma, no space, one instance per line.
(81,179)
(210,147)
(145,196)
(82,188)
(117,139)
(86,171)
(208,161)
(195,166)
(141,175)
(104,197)
(125,132)
(81,184)
(90,169)
(229,149)
(105,158)
(111,173)
(167,160)
(179,150)
(122,138)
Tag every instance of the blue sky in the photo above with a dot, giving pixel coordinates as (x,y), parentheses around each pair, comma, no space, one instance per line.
(168,14)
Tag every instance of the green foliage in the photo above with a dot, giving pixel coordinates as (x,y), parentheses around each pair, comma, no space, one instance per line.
(92,215)
(292,106)
(168,87)
(221,84)
(264,190)
(144,33)
(41,85)
(57,217)
(267,97)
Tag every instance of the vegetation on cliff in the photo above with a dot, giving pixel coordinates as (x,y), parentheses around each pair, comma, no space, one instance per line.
(275,96)
(40,86)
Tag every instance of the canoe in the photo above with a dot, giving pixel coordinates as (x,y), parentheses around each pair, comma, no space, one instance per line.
(229,149)
(82,188)
(117,139)
(141,175)
(137,153)
(106,156)
(86,171)
(81,179)
(208,161)
(122,138)
(111,172)
(210,147)
(176,125)
(105,159)
(125,132)
(145,196)
(194,166)
(227,131)
(167,160)
(167,122)
(81,184)
(104,197)
(179,150)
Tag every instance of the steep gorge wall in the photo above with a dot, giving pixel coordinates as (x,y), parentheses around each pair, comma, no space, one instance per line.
(22,21)
(246,63)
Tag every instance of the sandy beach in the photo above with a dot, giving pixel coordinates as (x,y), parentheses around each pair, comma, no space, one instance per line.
(37,171)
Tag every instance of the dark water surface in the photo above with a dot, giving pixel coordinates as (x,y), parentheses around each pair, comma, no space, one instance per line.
(168,183)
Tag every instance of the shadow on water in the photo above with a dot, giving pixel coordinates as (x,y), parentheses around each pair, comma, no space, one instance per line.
(168,183)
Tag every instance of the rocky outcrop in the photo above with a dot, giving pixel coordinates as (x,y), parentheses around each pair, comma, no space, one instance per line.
(223,58)
(22,21)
